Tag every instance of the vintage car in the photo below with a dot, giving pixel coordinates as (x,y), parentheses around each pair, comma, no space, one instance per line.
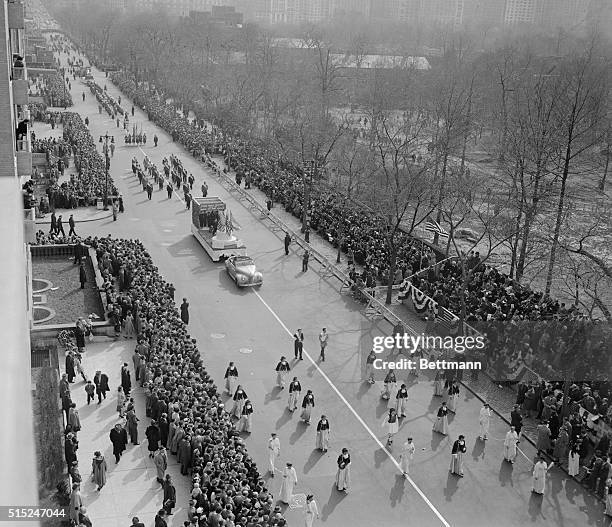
(242,270)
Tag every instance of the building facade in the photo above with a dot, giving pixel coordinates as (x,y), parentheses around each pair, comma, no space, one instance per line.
(19,482)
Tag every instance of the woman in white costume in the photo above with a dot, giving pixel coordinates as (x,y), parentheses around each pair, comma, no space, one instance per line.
(323,434)
(510,445)
(295,389)
(311,511)
(289,481)
(231,378)
(307,405)
(343,476)
(540,469)
(391,422)
(401,401)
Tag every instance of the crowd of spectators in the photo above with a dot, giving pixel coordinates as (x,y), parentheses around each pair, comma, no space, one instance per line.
(53,88)
(490,295)
(89,183)
(229,485)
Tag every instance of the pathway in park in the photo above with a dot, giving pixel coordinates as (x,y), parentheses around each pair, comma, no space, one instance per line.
(253,328)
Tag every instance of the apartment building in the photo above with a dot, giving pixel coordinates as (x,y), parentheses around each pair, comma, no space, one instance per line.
(19,482)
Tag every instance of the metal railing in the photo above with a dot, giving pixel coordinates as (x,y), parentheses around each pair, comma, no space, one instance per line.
(374,305)
(24,145)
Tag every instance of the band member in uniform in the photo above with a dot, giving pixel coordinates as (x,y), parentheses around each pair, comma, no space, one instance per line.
(240,397)
(295,389)
(231,378)
(401,401)
(343,476)
(323,434)
(459,448)
(441,424)
(274,447)
(308,404)
(282,368)
(244,425)
(390,386)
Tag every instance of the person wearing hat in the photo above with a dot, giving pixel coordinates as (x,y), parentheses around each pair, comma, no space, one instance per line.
(136,522)
(169,494)
(406,456)
(343,476)
(152,434)
(289,482)
(484,421)
(282,369)
(160,519)
(274,447)
(119,439)
(311,511)
(457,453)
(160,458)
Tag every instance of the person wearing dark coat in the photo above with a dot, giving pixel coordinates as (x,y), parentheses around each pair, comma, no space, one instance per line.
(79,252)
(152,433)
(184,455)
(126,380)
(287,243)
(169,495)
(59,226)
(70,367)
(53,228)
(71,222)
(516,419)
(70,447)
(185,311)
(160,519)
(79,335)
(119,439)
(82,275)
(101,382)
(164,428)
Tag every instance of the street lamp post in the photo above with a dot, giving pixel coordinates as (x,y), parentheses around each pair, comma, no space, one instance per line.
(105,138)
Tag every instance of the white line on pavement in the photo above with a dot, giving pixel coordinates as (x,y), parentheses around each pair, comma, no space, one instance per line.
(358,417)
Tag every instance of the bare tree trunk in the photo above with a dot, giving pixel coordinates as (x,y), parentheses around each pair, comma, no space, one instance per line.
(560,208)
(392,264)
(602,183)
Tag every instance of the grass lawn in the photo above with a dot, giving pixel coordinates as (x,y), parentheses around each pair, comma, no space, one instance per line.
(66,297)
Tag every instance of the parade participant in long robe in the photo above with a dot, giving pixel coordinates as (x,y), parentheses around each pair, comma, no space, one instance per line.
(311,511)
(510,445)
(308,404)
(391,423)
(289,482)
(244,425)
(231,378)
(484,420)
(439,384)
(295,389)
(323,432)
(401,401)
(343,476)
(441,424)
(453,397)
(239,398)
(282,368)
(274,447)
(370,367)
(540,470)
(406,456)
(457,452)
(390,386)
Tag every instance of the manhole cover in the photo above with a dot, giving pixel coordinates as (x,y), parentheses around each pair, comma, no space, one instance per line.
(246,351)
(298,501)
(217,335)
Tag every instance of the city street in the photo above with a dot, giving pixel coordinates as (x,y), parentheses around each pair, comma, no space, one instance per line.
(254,328)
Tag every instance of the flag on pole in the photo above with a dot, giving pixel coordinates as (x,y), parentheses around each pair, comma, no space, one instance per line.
(436,228)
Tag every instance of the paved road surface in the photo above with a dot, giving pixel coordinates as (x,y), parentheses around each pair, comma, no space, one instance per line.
(253,329)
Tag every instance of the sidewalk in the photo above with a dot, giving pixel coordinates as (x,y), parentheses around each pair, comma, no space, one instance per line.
(131,488)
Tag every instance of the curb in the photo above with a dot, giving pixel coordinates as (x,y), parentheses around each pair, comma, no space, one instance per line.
(78,221)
